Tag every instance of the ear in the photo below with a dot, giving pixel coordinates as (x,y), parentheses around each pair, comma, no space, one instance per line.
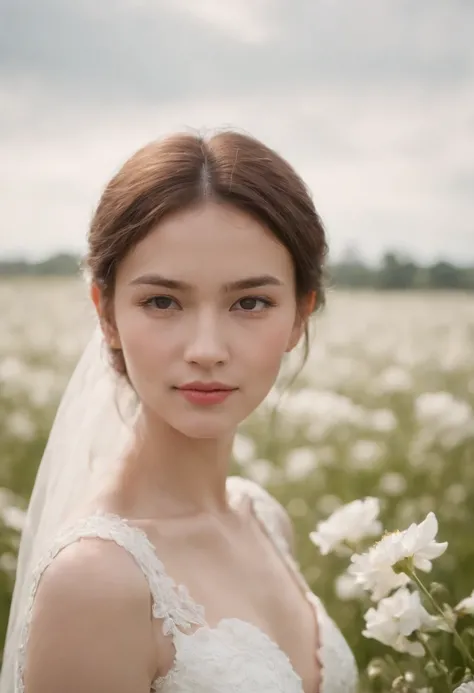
(305,308)
(108,329)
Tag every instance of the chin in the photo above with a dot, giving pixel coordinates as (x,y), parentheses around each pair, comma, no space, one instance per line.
(205,426)
(205,432)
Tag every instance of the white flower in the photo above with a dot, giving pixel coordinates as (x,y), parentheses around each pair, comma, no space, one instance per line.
(300,463)
(467,687)
(11,370)
(441,408)
(8,563)
(347,587)
(13,517)
(261,471)
(418,542)
(466,606)
(456,494)
(374,670)
(348,524)
(374,570)
(366,454)
(244,449)
(21,425)
(396,618)
(394,379)
(444,418)
(382,420)
(393,484)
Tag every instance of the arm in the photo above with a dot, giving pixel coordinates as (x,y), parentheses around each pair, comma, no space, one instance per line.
(91,630)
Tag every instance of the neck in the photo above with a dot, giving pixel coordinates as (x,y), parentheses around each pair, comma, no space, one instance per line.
(165,473)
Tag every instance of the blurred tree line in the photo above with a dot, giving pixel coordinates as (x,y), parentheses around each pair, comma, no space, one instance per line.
(62,265)
(395,271)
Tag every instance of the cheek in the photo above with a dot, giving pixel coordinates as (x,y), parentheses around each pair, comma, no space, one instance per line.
(266,352)
(143,347)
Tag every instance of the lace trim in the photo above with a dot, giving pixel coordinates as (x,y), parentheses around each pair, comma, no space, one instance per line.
(244,640)
(338,665)
(171,602)
(265,508)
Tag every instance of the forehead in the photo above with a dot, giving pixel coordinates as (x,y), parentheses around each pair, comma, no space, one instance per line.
(212,243)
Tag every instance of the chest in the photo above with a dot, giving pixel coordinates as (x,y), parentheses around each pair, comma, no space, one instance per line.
(234,657)
(241,578)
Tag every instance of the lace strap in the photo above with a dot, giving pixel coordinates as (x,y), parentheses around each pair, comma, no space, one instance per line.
(170,602)
(266,508)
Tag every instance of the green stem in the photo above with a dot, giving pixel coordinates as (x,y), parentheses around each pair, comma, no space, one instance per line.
(435,659)
(395,665)
(435,605)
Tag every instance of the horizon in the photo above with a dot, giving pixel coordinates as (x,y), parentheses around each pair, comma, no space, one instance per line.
(343,258)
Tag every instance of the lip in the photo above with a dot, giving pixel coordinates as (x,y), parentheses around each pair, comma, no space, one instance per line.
(199,393)
(198,386)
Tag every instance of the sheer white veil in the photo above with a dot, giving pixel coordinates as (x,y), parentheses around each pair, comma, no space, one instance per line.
(87,436)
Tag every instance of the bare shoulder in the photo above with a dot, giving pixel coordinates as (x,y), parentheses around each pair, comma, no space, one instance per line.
(91,625)
(270,505)
(93,569)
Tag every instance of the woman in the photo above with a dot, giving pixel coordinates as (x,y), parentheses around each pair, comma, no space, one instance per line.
(143,565)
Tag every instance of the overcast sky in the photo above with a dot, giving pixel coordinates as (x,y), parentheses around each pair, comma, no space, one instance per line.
(371,100)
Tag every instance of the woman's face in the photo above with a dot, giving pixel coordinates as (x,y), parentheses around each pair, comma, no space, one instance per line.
(207,297)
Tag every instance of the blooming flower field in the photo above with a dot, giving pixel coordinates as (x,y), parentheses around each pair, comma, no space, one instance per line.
(384,408)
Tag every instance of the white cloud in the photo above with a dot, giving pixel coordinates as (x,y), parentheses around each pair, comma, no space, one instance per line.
(249,21)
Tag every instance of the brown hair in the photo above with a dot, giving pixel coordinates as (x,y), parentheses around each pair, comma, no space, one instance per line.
(182,170)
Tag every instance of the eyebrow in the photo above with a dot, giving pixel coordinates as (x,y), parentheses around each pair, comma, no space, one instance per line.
(176,285)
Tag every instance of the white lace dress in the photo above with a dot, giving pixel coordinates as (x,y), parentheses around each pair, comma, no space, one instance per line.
(232,657)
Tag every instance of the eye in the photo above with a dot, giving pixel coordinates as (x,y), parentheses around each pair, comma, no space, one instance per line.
(160,302)
(254,304)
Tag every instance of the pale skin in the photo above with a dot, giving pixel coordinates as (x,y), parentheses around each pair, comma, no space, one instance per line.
(92,630)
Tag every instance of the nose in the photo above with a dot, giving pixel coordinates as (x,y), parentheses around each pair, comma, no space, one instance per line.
(206,343)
